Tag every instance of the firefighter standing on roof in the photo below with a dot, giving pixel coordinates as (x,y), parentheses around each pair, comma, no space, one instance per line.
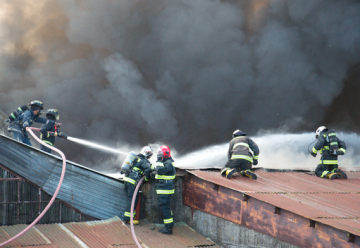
(49,131)
(26,119)
(164,173)
(140,167)
(239,157)
(329,146)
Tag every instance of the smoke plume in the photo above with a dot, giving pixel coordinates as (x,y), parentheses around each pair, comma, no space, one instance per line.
(182,73)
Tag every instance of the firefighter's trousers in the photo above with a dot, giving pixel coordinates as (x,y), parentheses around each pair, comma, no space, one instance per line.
(321,168)
(130,189)
(165,189)
(238,164)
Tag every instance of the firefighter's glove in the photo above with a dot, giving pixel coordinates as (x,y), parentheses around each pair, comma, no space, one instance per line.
(313,154)
(63,135)
(334,152)
(153,174)
(337,153)
(25,125)
(255,162)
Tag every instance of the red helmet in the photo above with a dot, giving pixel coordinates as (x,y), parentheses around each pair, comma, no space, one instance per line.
(166,151)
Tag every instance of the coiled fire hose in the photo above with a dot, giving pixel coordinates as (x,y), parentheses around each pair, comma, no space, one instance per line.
(56,191)
(132,212)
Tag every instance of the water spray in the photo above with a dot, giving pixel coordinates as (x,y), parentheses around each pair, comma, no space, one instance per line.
(90,144)
(94,145)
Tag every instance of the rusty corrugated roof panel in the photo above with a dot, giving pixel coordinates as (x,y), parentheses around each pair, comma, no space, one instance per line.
(326,201)
(33,236)
(183,236)
(112,232)
(107,233)
(58,236)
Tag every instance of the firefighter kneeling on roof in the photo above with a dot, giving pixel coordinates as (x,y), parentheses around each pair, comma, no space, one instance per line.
(240,158)
(164,173)
(329,146)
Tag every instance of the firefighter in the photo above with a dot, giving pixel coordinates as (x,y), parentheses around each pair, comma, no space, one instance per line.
(164,173)
(239,157)
(329,146)
(50,131)
(140,167)
(26,119)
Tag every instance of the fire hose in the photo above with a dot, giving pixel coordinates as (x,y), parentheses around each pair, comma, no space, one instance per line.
(132,212)
(56,191)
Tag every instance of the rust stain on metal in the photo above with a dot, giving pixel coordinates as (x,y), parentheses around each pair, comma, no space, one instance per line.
(183,236)
(281,206)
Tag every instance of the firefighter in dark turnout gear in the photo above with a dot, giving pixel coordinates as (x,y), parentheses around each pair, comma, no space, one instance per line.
(164,173)
(26,119)
(50,131)
(239,157)
(329,146)
(141,166)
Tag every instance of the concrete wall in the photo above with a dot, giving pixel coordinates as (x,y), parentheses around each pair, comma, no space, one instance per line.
(224,233)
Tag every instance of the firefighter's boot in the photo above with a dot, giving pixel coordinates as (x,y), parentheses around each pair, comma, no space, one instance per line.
(229,173)
(135,222)
(340,173)
(166,231)
(248,173)
(223,171)
(330,175)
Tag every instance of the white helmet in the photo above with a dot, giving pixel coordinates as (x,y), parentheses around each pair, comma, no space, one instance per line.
(319,130)
(146,151)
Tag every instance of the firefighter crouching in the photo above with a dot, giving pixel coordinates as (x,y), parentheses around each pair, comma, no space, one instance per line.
(49,131)
(164,173)
(140,167)
(239,157)
(329,146)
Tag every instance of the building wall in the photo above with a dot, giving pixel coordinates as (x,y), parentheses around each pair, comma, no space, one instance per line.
(21,202)
(224,233)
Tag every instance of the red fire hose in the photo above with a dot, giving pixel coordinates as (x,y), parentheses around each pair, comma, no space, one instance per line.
(56,191)
(132,213)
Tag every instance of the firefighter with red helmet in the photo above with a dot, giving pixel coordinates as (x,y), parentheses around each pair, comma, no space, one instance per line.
(164,174)
(240,157)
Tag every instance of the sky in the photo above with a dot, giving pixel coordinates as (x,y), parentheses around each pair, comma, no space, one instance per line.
(182,73)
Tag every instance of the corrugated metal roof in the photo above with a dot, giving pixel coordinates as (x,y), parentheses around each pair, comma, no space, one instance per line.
(93,193)
(332,202)
(183,236)
(107,233)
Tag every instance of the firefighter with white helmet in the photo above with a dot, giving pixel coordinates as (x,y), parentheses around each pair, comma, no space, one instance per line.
(239,156)
(140,166)
(329,146)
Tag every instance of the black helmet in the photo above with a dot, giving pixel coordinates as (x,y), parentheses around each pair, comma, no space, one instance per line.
(37,103)
(53,112)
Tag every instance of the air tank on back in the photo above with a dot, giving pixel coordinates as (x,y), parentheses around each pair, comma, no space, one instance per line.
(125,168)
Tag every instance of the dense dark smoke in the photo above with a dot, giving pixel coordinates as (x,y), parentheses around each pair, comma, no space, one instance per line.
(186,73)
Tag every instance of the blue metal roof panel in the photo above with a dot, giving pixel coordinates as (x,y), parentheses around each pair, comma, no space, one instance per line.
(92,192)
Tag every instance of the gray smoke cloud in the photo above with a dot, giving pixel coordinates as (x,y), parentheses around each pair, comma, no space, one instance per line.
(183,73)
